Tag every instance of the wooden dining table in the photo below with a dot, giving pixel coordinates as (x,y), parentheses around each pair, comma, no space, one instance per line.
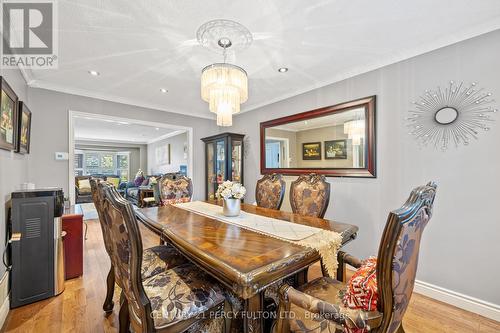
(244,261)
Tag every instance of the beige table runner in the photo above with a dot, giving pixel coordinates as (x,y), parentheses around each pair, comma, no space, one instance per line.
(326,242)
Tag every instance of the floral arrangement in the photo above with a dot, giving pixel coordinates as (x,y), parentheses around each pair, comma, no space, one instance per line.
(230,190)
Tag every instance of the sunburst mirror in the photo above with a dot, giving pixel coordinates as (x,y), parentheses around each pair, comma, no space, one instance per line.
(451,115)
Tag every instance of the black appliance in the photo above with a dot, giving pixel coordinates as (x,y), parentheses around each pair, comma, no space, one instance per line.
(36,237)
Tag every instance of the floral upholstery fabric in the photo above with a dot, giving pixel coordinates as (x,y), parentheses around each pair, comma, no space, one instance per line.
(362,289)
(175,201)
(181,293)
(404,266)
(326,294)
(160,258)
(309,195)
(269,191)
(174,191)
(121,256)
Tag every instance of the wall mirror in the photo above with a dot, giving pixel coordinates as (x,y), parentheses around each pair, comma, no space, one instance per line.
(337,140)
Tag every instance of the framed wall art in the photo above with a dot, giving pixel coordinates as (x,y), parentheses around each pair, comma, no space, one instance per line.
(8,116)
(311,151)
(24,132)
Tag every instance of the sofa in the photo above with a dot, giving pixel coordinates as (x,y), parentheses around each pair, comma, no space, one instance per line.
(132,191)
(82,186)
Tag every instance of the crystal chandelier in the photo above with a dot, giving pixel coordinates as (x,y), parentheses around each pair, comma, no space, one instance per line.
(224,86)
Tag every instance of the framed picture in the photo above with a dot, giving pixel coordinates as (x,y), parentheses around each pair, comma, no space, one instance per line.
(24,133)
(163,154)
(8,116)
(336,150)
(311,151)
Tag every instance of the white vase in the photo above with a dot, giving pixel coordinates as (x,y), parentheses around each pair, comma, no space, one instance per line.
(231,207)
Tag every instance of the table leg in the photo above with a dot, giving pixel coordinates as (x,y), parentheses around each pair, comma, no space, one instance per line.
(252,312)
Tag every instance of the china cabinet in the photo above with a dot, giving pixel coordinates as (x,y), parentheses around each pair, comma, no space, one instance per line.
(223,160)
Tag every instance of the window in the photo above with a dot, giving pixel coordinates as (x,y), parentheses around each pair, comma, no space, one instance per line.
(102,163)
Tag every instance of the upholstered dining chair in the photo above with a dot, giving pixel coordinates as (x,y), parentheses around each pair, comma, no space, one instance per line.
(310,195)
(175,300)
(269,191)
(326,305)
(175,190)
(155,259)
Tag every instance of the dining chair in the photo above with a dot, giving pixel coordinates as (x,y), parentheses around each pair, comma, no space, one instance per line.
(310,195)
(378,294)
(176,190)
(155,259)
(269,191)
(175,300)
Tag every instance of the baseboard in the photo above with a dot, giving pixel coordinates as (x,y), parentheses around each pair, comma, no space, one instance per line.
(471,304)
(5,298)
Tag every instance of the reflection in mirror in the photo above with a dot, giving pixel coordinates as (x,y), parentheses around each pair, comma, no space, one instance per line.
(336,140)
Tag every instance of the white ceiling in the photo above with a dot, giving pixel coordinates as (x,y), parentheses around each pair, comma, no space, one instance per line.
(142,46)
(112,130)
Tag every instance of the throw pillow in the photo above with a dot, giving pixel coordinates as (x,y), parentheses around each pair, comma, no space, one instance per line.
(362,291)
(145,182)
(84,184)
(115,181)
(138,180)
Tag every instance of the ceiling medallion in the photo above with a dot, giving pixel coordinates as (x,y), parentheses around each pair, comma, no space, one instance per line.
(452,115)
(224,86)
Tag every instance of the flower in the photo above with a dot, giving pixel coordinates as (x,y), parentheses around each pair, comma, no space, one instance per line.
(230,190)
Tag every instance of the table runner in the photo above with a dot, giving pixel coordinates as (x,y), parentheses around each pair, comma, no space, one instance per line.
(326,242)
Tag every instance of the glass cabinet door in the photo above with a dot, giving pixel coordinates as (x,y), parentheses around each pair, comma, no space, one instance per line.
(236,161)
(220,163)
(212,177)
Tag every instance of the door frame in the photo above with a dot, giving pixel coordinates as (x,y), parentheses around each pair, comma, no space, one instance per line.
(287,148)
(71,139)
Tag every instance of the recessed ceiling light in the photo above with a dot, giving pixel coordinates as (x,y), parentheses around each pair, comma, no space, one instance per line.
(94,73)
(283,69)
(163,90)
(157,129)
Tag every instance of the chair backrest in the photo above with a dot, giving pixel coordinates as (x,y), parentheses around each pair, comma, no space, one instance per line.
(398,255)
(175,190)
(97,185)
(310,195)
(269,191)
(126,255)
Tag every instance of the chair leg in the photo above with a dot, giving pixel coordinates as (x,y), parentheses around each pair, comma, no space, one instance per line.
(110,285)
(124,316)
(400,329)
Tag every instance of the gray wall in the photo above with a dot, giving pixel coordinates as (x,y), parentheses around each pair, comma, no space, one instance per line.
(50,134)
(13,167)
(177,143)
(138,152)
(461,241)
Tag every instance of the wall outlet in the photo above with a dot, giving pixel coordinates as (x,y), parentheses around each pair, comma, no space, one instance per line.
(61,156)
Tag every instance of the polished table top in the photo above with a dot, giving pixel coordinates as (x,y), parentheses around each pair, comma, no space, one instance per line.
(245,261)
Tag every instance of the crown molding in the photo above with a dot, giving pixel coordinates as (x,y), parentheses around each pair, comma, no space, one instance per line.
(110,98)
(166,136)
(81,138)
(396,57)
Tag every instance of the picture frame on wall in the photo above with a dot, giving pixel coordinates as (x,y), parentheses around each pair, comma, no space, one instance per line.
(311,151)
(8,116)
(336,150)
(24,132)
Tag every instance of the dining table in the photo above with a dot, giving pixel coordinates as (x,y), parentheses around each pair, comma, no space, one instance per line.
(245,262)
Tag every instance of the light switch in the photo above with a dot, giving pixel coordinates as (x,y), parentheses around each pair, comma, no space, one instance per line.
(61,156)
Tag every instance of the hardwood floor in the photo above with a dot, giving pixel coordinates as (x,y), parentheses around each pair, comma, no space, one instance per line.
(79,308)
